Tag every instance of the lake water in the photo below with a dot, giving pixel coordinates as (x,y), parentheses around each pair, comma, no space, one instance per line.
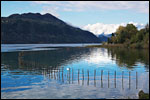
(71,71)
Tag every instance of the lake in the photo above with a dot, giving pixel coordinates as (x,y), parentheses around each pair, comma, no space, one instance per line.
(72,71)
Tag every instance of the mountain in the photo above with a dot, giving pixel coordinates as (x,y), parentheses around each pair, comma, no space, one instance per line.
(108,35)
(34,28)
(104,37)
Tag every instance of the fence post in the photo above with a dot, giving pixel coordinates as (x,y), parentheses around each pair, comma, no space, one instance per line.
(95,77)
(136,80)
(88,77)
(108,79)
(62,75)
(72,75)
(78,76)
(122,80)
(82,77)
(69,75)
(115,79)
(101,78)
(129,79)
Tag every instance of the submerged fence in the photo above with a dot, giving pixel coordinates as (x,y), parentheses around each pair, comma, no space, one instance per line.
(86,77)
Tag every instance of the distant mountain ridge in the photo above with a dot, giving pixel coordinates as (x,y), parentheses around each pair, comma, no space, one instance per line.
(34,28)
(104,37)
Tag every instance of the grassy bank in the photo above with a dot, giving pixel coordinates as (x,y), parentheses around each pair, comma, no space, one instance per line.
(135,45)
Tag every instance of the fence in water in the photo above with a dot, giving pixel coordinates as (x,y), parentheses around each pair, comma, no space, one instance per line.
(96,77)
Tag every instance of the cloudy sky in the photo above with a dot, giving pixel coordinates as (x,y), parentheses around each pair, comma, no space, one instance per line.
(95,16)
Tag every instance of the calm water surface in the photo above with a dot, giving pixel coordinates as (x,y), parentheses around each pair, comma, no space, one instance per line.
(40,71)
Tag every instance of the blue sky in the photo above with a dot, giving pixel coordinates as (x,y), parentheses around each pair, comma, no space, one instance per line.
(83,13)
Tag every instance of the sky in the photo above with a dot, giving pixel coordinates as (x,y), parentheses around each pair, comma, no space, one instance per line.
(95,16)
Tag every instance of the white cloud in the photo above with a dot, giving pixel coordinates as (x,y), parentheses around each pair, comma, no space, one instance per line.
(67,9)
(45,2)
(51,10)
(138,6)
(100,28)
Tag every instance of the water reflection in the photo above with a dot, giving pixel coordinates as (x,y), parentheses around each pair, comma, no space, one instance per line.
(129,57)
(40,59)
(89,72)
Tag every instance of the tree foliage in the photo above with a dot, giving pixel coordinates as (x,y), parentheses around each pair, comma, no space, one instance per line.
(131,36)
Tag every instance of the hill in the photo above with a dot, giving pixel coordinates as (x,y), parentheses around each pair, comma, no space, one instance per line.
(34,28)
(104,37)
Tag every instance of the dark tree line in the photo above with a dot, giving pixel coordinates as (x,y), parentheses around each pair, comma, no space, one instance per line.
(130,36)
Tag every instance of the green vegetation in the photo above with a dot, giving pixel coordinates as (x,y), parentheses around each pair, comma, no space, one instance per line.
(143,95)
(33,28)
(130,37)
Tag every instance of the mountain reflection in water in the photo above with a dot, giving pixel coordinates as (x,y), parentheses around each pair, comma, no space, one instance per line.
(66,72)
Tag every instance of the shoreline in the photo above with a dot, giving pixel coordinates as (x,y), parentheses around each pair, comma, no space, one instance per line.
(132,46)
